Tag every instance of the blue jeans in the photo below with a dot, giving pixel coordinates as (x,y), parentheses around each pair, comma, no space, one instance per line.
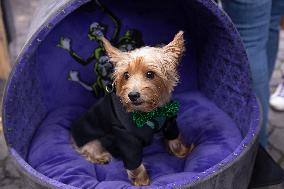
(258,22)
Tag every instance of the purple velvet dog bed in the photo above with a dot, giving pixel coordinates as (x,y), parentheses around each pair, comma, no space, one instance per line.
(60,73)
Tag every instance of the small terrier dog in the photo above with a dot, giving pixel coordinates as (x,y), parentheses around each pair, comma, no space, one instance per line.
(144,80)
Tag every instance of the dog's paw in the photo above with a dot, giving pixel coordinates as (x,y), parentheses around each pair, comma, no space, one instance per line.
(103,158)
(142,181)
(139,176)
(95,153)
(178,148)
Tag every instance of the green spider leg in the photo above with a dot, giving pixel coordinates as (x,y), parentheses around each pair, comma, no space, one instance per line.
(98,83)
(76,56)
(117,24)
(66,44)
(115,36)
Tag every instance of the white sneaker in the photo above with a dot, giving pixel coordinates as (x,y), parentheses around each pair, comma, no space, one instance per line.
(277,98)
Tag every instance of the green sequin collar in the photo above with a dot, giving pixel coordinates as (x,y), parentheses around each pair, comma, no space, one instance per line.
(169,110)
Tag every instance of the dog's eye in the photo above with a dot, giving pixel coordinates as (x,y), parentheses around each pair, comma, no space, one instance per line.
(126,75)
(150,75)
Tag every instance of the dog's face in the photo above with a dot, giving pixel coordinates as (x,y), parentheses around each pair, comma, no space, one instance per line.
(145,77)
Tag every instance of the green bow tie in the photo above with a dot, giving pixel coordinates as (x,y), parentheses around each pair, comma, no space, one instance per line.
(169,110)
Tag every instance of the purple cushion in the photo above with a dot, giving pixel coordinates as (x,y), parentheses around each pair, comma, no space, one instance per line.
(201,122)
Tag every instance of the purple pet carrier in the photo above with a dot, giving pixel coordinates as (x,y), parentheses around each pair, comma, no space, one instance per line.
(62,71)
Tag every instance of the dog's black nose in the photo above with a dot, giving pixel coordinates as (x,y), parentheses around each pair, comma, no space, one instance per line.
(133,96)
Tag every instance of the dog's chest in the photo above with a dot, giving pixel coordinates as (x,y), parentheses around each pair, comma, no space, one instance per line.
(125,118)
(156,124)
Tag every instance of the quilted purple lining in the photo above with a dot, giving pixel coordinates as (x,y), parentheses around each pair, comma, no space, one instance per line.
(201,122)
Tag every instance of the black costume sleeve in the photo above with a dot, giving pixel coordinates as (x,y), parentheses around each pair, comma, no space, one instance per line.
(130,148)
(83,132)
(95,123)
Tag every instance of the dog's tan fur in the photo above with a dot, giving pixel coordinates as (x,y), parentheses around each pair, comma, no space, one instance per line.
(162,61)
(155,92)
(95,152)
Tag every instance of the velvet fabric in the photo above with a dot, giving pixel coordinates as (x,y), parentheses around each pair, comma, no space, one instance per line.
(219,112)
(200,122)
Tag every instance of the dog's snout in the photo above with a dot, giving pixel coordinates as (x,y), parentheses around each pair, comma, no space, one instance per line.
(133,96)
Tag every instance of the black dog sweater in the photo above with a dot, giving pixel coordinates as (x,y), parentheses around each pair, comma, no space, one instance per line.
(108,122)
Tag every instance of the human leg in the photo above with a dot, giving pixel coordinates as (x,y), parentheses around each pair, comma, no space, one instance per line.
(277,11)
(252,18)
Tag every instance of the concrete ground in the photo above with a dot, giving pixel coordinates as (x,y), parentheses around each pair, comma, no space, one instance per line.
(23,10)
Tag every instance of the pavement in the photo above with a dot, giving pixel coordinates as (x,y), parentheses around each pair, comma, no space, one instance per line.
(23,11)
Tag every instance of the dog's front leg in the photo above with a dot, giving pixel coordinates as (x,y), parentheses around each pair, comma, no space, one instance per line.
(131,150)
(174,141)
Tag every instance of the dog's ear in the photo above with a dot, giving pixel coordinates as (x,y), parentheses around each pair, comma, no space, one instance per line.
(114,53)
(175,49)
